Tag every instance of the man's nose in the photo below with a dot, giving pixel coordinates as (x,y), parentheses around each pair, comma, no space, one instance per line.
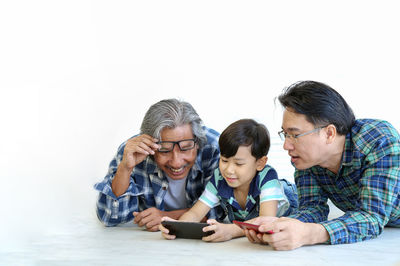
(288,144)
(176,156)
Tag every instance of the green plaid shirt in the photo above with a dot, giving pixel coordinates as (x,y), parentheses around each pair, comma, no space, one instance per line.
(366,187)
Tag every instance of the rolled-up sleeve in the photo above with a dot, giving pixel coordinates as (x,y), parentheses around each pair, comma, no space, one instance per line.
(112,210)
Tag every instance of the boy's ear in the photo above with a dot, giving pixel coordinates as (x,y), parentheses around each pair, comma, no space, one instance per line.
(261,163)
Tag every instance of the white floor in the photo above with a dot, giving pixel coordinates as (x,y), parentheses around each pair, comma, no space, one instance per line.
(86,242)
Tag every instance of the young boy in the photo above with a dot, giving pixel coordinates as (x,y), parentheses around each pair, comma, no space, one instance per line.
(244,185)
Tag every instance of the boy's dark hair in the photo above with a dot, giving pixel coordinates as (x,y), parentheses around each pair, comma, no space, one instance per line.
(321,105)
(245,132)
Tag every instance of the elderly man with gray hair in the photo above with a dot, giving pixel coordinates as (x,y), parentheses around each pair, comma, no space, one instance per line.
(162,171)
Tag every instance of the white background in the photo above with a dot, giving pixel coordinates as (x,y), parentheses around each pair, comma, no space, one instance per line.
(76,78)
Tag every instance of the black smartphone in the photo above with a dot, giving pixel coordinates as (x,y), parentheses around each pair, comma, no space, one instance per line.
(190,230)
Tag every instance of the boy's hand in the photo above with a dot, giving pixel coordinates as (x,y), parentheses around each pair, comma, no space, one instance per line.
(165,231)
(222,232)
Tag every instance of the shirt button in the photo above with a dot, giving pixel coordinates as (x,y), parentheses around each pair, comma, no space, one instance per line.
(164,188)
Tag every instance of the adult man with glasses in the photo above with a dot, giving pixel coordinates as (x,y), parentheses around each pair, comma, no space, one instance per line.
(354,163)
(162,171)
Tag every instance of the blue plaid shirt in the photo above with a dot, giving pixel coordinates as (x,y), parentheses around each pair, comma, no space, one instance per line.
(148,184)
(366,188)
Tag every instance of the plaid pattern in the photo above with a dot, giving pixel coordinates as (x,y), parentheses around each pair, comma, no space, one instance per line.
(148,184)
(366,187)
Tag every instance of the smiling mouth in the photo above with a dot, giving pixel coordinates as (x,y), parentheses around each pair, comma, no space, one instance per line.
(229,179)
(177,170)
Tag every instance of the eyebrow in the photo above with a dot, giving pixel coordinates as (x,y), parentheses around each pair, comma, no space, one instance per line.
(291,129)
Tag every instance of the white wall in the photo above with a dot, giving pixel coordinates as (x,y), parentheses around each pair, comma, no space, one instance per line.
(77,76)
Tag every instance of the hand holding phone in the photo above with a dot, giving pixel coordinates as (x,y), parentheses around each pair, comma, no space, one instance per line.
(186,229)
(249,226)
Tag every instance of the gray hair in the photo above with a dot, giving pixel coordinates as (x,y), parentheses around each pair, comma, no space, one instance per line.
(172,113)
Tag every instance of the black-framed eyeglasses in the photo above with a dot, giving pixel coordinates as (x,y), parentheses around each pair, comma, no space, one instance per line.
(293,137)
(184,145)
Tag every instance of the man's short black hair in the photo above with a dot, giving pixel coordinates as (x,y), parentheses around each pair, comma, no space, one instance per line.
(321,105)
(245,132)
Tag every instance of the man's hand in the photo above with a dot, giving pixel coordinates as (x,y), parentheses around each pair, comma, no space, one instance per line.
(251,235)
(150,218)
(137,149)
(288,233)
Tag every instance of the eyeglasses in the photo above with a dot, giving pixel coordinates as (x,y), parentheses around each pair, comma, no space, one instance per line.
(184,145)
(283,135)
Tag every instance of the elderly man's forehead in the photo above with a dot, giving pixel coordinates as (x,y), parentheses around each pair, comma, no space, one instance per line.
(177,133)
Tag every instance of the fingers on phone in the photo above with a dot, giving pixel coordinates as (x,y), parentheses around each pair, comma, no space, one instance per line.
(166,218)
(165,232)
(163,229)
(168,237)
(252,236)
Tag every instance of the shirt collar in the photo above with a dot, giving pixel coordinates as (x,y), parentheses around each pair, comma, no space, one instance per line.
(225,191)
(347,151)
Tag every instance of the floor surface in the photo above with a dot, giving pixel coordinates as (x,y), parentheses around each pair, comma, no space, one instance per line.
(87,242)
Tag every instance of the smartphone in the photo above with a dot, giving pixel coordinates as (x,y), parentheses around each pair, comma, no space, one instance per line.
(249,226)
(189,230)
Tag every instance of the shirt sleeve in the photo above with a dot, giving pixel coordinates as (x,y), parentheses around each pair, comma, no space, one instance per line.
(271,189)
(378,196)
(313,201)
(209,196)
(112,210)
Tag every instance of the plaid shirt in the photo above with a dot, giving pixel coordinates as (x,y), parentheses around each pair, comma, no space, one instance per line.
(366,188)
(148,184)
